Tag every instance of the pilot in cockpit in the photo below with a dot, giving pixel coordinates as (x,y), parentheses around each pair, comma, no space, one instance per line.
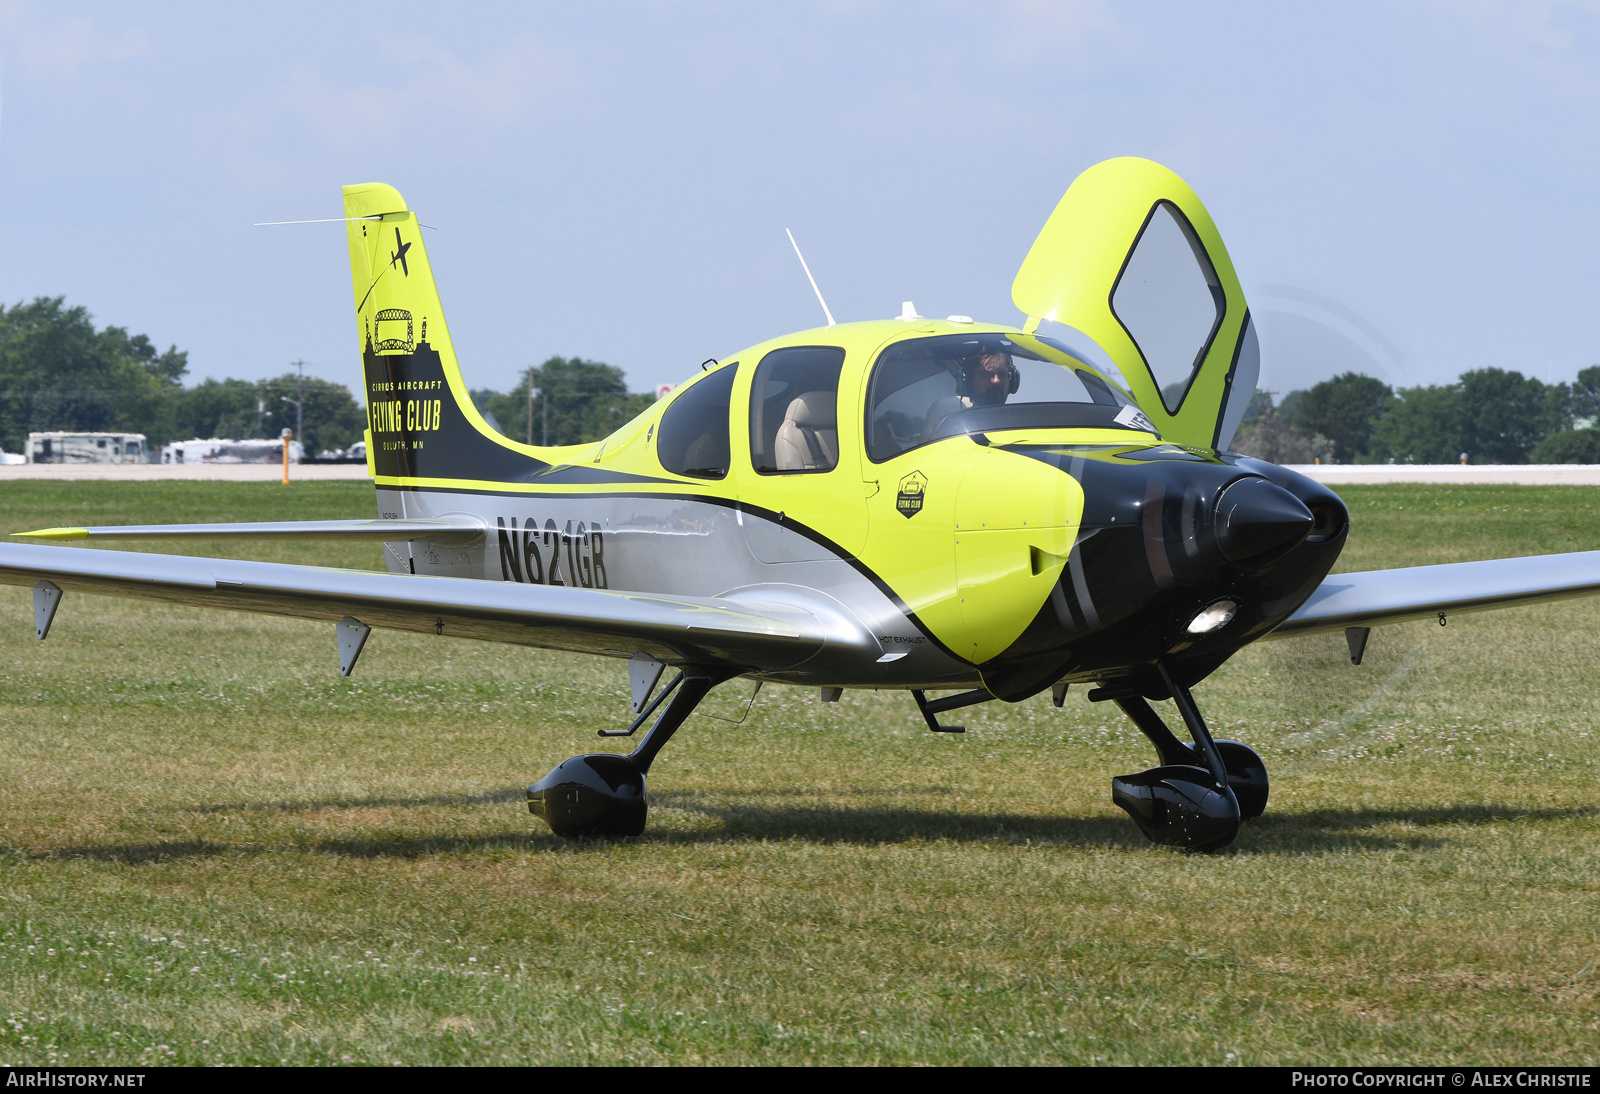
(987,378)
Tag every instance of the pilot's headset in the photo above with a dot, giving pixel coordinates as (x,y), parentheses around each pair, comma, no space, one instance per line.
(970,365)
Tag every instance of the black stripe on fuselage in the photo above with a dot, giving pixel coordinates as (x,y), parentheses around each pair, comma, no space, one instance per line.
(569,474)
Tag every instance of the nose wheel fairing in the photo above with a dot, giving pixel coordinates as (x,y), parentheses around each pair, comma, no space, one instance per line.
(1200,794)
(1179,807)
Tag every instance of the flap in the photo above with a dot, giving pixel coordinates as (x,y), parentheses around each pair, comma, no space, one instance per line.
(1131,258)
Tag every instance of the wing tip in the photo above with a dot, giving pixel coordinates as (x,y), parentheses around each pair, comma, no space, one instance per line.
(57,534)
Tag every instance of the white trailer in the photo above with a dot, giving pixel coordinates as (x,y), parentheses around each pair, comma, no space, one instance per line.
(62,447)
(195,451)
(223,450)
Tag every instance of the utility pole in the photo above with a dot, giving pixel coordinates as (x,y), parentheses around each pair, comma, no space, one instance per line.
(544,396)
(300,401)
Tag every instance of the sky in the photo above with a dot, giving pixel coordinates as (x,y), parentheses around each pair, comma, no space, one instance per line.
(1408,190)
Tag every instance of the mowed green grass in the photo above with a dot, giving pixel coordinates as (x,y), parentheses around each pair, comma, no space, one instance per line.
(213,849)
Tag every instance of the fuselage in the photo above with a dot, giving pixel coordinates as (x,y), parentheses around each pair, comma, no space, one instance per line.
(1004,546)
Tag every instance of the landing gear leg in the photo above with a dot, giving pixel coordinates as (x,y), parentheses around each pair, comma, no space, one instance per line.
(1247,774)
(1173,752)
(1198,796)
(603,793)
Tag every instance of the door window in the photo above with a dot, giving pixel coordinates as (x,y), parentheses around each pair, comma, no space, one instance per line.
(1170,301)
(794,411)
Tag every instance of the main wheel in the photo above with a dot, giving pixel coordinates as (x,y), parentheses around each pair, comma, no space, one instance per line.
(600,794)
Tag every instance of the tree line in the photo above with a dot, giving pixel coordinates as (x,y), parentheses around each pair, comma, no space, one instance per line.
(1488,415)
(565,400)
(58,372)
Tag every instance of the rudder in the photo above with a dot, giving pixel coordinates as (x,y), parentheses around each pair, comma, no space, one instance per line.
(421,421)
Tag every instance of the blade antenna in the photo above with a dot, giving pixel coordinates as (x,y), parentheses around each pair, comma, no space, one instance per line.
(809,278)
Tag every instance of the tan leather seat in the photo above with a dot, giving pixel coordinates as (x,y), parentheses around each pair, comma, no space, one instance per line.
(808,439)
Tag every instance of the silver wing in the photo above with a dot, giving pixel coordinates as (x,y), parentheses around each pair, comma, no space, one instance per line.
(447,531)
(1422,592)
(771,629)
(767,630)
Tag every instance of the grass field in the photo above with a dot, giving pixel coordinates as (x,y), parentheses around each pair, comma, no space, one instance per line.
(213,849)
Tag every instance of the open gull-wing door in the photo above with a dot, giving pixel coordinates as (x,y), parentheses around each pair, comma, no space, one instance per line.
(1131,258)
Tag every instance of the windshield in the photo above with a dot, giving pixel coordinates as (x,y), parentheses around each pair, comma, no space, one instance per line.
(926,388)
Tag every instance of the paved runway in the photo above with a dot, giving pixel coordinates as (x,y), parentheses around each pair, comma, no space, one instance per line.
(234,472)
(1558,474)
(1527,474)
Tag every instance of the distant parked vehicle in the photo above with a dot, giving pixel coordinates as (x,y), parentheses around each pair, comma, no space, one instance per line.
(195,451)
(8,458)
(55,447)
(221,450)
(356,453)
(262,451)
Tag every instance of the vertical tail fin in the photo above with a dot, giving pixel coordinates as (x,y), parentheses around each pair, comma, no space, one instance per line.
(421,421)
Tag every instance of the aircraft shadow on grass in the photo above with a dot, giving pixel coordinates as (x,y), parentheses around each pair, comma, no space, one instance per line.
(1326,830)
(486,797)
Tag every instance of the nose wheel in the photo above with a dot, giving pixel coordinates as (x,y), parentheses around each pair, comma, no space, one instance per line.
(1199,795)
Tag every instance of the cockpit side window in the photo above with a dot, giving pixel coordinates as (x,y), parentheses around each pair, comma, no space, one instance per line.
(693,438)
(923,389)
(794,411)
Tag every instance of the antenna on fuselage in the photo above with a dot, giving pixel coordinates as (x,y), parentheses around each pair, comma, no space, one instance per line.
(809,278)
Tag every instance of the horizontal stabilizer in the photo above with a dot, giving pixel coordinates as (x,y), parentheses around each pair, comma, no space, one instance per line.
(1423,592)
(446,531)
(750,635)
